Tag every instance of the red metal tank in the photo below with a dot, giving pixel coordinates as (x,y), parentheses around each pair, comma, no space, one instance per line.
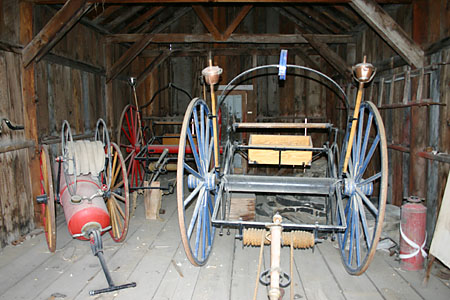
(88,213)
(412,235)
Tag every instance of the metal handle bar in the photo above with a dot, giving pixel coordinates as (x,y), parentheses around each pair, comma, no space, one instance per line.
(10,125)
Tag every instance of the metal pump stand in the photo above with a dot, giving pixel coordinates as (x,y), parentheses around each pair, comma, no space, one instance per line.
(97,249)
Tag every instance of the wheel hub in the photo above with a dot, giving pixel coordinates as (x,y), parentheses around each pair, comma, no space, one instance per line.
(209,181)
(350,187)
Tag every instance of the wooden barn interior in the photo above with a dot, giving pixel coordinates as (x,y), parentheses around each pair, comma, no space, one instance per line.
(81,60)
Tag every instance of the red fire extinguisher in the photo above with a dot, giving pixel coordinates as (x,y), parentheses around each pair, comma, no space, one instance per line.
(413,234)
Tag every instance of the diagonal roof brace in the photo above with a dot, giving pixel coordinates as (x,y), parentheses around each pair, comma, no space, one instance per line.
(54,30)
(382,23)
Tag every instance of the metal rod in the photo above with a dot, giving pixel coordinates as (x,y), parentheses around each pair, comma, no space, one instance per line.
(281,125)
(279,184)
(281,148)
(287,226)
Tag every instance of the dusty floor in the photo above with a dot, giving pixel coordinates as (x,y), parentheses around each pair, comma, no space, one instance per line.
(153,257)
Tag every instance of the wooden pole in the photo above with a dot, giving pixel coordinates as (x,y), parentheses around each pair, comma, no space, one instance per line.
(213,108)
(354,122)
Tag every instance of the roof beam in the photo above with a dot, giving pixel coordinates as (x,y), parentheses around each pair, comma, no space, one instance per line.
(152,66)
(219,1)
(141,19)
(330,56)
(127,58)
(54,30)
(232,27)
(206,20)
(174,38)
(139,46)
(381,22)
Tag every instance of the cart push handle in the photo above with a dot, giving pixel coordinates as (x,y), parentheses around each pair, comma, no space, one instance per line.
(363,73)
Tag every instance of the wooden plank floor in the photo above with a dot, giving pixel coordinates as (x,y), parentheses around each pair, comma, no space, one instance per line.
(153,257)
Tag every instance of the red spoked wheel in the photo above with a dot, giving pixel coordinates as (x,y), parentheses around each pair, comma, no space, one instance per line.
(130,142)
(47,205)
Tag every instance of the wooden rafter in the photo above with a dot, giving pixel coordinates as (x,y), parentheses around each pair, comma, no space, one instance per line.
(219,1)
(139,46)
(330,56)
(232,27)
(206,20)
(127,58)
(156,25)
(234,38)
(54,30)
(152,66)
(125,15)
(390,31)
(142,18)
(226,51)
(304,22)
(105,13)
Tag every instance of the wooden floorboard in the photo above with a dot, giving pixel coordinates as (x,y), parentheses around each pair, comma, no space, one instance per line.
(153,257)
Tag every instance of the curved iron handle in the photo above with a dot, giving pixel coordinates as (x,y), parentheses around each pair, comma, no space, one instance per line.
(10,125)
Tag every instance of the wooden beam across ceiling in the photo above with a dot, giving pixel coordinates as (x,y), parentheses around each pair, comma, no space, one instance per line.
(166,38)
(152,66)
(330,56)
(381,22)
(219,1)
(206,20)
(139,46)
(54,30)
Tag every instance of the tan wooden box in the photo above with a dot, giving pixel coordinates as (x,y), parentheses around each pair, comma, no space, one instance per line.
(171,139)
(272,157)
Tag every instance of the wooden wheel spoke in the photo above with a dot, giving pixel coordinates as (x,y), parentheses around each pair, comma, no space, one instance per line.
(118,185)
(199,226)
(367,202)
(192,171)
(130,127)
(194,151)
(127,135)
(348,216)
(199,137)
(114,171)
(116,204)
(370,179)
(195,214)
(368,158)
(360,133)
(364,222)
(192,195)
(366,136)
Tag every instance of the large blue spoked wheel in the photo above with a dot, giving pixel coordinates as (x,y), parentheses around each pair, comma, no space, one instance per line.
(197,191)
(364,192)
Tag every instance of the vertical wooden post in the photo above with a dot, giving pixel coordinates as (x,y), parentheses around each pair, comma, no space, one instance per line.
(108,50)
(29,105)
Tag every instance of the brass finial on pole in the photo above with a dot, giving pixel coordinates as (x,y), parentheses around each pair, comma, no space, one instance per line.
(211,75)
(363,73)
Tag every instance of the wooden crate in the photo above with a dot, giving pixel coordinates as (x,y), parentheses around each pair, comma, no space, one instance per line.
(272,157)
(171,139)
(242,206)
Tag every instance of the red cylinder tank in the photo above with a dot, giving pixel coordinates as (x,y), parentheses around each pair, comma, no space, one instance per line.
(412,235)
(88,213)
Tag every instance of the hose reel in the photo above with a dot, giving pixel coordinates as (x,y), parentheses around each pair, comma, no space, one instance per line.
(300,239)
